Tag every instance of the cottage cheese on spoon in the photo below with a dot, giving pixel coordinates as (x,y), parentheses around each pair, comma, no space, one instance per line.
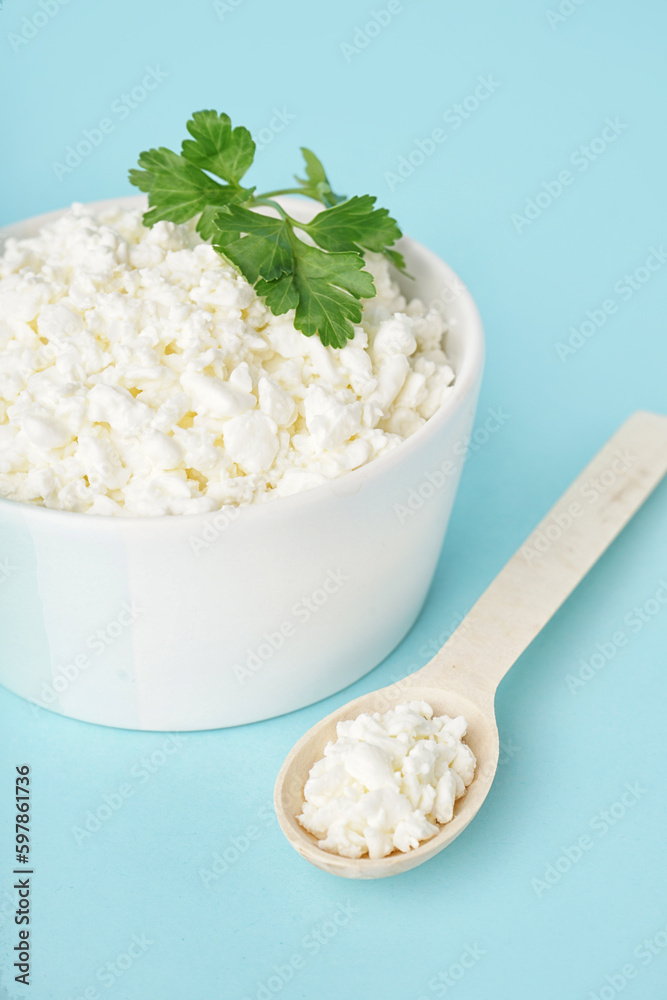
(142,375)
(387,780)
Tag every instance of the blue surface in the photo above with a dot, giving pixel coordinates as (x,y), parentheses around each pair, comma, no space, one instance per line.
(569,754)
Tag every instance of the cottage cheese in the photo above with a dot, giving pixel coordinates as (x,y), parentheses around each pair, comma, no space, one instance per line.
(387,780)
(142,375)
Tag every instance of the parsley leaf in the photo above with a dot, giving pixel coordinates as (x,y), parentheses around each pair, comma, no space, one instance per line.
(356,224)
(316,185)
(324,284)
(281,294)
(217,147)
(330,286)
(324,288)
(176,189)
(264,252)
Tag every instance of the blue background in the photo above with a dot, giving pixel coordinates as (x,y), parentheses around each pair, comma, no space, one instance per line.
(569,754)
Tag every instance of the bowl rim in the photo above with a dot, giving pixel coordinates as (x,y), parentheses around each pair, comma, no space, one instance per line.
(468,373)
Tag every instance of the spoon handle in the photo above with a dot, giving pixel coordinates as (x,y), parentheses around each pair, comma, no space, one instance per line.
(554,558)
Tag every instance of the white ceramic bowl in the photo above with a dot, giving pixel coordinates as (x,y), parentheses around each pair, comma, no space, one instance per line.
(197,622)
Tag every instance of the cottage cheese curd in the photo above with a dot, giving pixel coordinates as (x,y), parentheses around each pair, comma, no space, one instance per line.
(142,375)
(387,780)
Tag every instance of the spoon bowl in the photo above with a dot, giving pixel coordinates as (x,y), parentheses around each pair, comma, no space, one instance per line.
(463,676)
(482,739)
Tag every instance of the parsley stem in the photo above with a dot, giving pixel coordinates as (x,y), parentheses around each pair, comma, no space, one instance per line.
(274,194)
(266,200)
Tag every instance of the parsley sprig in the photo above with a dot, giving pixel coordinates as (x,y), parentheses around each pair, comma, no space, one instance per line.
(323,283)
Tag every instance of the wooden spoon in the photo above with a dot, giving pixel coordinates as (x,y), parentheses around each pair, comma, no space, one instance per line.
(463,676)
